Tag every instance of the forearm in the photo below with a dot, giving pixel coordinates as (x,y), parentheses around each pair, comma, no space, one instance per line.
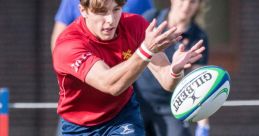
(117,79)
(166,80)
(124,74)
(169,81)
(161,69)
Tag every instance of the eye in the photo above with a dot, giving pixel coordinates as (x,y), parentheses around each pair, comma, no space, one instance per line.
(117,9)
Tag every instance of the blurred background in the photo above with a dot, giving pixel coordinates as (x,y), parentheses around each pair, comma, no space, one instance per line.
(26,65)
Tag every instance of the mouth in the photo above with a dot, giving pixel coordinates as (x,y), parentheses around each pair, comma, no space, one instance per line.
(108,30)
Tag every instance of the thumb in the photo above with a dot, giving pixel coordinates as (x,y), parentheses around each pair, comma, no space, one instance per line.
(185,41)
(181,47)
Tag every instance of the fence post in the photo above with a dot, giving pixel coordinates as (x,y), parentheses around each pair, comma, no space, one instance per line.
(4,117)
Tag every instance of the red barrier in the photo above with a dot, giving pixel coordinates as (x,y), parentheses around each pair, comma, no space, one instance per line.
(4,117)
(4,125)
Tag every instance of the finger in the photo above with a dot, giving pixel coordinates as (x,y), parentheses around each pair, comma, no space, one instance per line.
(185,41)
(195,58)
(169,35)
(197,45)
(167,43)
(160,28)
(200,50)
(188,65)
(181,47)
(164,45)
(170,32)
(197,52)
(177,39)
(176,36)
(161,41)
(151,26)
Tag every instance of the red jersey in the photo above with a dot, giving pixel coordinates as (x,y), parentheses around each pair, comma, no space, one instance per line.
(76,51)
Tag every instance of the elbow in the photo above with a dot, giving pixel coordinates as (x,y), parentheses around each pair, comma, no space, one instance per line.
(115,93)
(169,88)
(171,85)
(113,90)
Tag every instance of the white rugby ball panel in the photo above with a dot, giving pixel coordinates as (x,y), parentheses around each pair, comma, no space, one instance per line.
(211,105)
(195,89)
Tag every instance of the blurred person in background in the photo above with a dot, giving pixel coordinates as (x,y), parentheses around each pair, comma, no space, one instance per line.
(138,6)
(95,58)
(67,12)
(154,100)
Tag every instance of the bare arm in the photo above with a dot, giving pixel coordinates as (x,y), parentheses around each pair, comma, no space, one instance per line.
(57,29)
(117,79)
(161,67)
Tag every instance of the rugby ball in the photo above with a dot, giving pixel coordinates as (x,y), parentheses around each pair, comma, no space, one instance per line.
(200,93)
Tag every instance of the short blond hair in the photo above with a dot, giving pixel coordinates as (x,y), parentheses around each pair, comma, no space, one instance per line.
(98,5)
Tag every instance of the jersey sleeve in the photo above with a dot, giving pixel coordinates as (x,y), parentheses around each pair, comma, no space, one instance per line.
(67,12)
(71,58)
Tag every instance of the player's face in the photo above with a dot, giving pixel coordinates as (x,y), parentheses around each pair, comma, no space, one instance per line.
(185,9)
(104,23)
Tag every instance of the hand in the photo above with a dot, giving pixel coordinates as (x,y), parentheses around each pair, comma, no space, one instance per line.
(156,40)
(184,59)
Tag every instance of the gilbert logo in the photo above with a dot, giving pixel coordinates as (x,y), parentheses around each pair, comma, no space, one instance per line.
(79,61)
(126,54)
(189,89)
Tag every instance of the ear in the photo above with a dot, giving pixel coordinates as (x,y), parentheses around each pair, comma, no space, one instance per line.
(82,11)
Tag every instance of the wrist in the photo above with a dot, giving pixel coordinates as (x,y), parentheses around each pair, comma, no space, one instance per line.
(176,75)
(144,53)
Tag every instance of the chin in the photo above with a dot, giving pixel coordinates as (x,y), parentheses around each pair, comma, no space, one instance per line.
(107,37)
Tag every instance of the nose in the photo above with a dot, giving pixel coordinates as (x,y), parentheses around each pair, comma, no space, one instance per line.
(109,18)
